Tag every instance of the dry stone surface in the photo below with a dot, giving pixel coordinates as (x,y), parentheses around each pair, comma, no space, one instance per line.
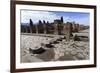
(64,50)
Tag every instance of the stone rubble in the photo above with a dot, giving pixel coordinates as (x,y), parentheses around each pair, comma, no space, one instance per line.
(71,50)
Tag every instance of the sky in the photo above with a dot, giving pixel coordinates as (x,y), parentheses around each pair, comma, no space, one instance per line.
(78,17)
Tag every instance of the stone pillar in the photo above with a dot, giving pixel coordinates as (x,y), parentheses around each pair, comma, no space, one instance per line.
(73,26)
(45,29)
(77,26)
(30,29)
(26,29)
(56,29)
(36,26)
(67,30)
(31,26)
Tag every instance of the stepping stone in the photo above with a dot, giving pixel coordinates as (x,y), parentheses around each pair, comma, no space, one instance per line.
(49,46)
(37,51)
(55,42)
(56,57)
(80,56)
(59,39)
(73,52)
(67,53)
(75,58)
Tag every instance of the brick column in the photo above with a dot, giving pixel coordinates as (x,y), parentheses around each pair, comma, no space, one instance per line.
(67,30)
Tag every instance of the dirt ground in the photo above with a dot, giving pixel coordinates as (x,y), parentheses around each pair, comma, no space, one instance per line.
(62,51)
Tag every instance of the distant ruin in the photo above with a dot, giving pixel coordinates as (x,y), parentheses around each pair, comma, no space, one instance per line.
(58,27)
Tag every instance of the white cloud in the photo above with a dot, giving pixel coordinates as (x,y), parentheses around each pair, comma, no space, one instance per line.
(80,20)
(37,15)
(49,16)
(83,20)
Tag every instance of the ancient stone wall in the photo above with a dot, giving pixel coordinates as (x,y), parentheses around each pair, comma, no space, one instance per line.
(58,27)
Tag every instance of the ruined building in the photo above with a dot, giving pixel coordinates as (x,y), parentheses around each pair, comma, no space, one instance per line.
(58,27)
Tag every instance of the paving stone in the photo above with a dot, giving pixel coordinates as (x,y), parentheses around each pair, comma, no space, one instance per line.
(73,52)
(67,53)
(80,56)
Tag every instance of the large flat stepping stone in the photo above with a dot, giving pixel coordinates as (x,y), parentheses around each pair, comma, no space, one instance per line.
(28,59)
(80,56)
(37,51)
(66,58)
(48,55)
(73,52)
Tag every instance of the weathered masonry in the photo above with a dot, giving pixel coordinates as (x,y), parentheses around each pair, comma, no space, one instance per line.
(58,27)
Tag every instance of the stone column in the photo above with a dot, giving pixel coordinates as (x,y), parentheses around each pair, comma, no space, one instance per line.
(56,29)
(45,29)
(30,27)
(67,30)
(36,26)
(77,26)
(26,29)
(73,26)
